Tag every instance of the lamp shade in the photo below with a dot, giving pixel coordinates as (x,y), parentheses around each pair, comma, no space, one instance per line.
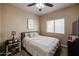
(13,33)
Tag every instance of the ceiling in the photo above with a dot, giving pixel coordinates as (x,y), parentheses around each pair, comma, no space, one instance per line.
(45,10)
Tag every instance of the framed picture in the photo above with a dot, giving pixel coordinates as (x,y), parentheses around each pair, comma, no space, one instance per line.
(30,24)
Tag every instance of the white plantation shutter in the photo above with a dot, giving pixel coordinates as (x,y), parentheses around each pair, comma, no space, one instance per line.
(55,26)
(59,26)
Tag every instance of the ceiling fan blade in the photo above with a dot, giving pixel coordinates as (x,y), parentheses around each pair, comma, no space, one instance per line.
(48,4)
(31,4)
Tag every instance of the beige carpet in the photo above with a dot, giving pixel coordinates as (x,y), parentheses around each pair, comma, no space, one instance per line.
(24,53)
(64,51)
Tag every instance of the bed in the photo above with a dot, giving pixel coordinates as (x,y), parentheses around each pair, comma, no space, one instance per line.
(38,45)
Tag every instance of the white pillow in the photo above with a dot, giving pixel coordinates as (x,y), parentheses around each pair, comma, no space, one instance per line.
(36,34)
(29,34)
(26,34)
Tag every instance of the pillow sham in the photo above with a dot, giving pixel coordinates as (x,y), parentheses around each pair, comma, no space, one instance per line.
(33,34)
(29,34)
(26,34)
(36,34)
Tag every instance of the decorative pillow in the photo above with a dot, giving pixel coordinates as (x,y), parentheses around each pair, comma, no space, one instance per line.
(31,34)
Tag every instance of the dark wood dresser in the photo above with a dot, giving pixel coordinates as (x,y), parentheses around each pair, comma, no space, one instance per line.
(73,48)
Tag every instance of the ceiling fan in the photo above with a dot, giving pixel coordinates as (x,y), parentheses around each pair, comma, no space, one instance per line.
(40,6)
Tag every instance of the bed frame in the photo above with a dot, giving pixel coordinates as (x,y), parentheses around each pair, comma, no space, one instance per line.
(23,35)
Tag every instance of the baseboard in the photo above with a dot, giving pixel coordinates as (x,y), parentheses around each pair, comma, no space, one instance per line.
(64,45)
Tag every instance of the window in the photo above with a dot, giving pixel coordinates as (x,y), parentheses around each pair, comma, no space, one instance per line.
(50,26)
(56,26)
(59,26)
(30,23)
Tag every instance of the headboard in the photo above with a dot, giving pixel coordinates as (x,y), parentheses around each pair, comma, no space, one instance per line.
(23,34)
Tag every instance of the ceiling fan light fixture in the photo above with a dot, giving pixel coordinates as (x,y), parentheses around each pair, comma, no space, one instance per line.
(40,9)
(40,5)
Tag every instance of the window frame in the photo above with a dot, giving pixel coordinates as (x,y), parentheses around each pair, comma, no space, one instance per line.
(63,25)
(54,26)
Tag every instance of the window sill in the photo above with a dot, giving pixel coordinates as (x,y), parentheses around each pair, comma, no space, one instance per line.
(54,33)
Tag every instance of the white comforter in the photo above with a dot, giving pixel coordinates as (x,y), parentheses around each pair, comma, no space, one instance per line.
(41,45)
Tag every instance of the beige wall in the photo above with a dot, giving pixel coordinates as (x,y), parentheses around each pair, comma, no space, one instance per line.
(0,22)
(70,14)
(15,19)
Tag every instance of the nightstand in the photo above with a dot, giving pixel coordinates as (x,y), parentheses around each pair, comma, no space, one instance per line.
(12,47)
